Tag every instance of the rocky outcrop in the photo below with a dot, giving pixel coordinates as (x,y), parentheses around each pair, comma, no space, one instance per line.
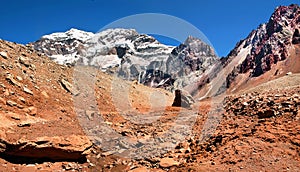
(268,44)
(67,148)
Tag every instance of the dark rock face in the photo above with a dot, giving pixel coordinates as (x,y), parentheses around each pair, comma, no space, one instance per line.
(155,78)
(273,46)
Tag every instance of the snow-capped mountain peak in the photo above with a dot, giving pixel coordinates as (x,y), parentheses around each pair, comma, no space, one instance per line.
(70,34)
(133,56)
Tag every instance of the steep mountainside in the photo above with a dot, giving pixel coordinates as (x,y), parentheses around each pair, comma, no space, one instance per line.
(40,121)
(270,51)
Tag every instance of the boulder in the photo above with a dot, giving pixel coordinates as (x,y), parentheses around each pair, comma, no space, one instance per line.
(168,162)
(72,147)
(183,99)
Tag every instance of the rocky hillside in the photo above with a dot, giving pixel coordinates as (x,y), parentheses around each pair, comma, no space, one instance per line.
(38,110)
(41,123)
(265,50)
(269,52)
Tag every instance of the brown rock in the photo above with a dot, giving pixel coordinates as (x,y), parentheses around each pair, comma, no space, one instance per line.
(2,147)
(182,99)
(72,147)
(168,162)
(28,91)
(45,94)
(31,110)
(266,114)
(19,78)
(24,61)
(68,87)
(22,99)
(12,81)
(11,103)
(2,100)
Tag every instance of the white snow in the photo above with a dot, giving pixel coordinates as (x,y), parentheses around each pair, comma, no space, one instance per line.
(64,59)
(70,34)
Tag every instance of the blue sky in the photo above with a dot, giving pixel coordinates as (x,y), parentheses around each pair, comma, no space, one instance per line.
(223,22)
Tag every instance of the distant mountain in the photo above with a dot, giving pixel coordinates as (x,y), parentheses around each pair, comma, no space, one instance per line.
(63,47)
(130,55)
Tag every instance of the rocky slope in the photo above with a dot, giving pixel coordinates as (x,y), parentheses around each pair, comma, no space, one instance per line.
(265,50)
(41,131)
(39,123)
(269,52)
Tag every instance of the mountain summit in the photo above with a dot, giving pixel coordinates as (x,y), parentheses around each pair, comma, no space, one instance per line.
(132,56)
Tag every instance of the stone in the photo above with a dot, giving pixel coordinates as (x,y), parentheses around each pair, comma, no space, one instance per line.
(11,103)
(245,104)
(27,90)
(45,94)
(12,81)
(24,61)
(2,100)
(31,110)
(67,147)
(182,99)
(90,114)
(19,78)
(22,99)
(24,124)
(2,147)
(266,114)
(3,55)
(68,87)
(107,153)
(168,162)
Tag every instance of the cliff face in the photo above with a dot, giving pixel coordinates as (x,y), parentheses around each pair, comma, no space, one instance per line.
(269,44)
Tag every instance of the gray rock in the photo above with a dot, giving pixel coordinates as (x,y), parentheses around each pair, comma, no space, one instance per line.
(69,87)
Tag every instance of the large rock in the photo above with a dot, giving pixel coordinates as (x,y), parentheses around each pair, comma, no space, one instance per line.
(73,147)
(182,99)
(168,162)
(14,144)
